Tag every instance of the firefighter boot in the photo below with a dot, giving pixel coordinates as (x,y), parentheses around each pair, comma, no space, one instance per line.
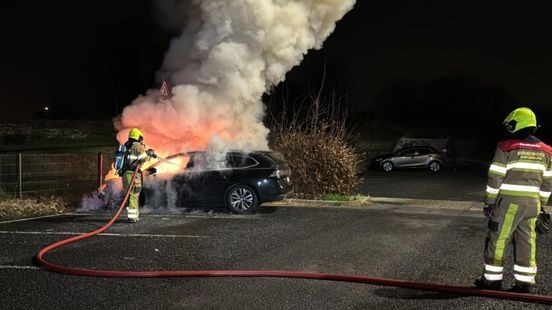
(488,285)
(521,287)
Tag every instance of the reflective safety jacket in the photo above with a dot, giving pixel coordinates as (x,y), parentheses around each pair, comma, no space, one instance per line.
(521,168)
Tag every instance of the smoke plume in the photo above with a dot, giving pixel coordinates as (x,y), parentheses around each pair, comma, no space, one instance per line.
(227,55)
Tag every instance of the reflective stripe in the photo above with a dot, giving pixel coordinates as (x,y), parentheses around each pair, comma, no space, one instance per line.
(522,165)
(523,278)
(498,169)
(520,188)
(134,157)
(533,242)
(493,277)
(491,190)
(547,174)
(504,233)
(494,268)
(132,213)
(545,194)
(519,268)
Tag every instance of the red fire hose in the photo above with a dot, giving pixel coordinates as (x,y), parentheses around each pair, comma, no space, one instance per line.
(458,290)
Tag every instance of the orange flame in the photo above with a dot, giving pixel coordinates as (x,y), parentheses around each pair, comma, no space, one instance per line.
(173,165)
(111,174)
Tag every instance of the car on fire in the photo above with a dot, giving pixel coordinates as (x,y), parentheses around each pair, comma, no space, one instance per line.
(238,180)
(410,157)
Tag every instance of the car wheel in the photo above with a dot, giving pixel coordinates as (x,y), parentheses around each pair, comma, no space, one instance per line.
(387,166)
(241,199)
(434,166)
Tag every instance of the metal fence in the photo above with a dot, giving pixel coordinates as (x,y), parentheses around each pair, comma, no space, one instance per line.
(23,175)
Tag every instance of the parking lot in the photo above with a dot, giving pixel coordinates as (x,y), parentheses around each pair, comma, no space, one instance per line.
(402,242)
(459,184)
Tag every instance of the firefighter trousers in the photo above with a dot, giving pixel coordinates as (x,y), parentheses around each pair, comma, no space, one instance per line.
(513,218)
(133,198)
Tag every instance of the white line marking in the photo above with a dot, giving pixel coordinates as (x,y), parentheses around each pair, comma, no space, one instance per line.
(32,218)
(19,267)
(103,234)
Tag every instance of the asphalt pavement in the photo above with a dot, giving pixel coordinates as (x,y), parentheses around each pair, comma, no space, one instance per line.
(432,245)
(459,184)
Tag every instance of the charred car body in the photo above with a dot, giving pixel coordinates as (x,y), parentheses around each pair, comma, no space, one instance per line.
(240,181)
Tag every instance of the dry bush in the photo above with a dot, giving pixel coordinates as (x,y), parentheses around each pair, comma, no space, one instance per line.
(20,208)
(314,142)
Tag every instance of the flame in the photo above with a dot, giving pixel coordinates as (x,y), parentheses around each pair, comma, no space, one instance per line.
(228,54)
(173,165)
(111,174)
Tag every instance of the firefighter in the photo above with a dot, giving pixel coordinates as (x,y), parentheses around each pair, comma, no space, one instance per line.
(136,153)
(519,184)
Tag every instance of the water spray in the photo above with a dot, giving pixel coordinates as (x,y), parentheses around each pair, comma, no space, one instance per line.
(167,161)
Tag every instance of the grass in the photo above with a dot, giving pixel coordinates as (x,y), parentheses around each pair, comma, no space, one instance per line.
(339,197)
(18,208)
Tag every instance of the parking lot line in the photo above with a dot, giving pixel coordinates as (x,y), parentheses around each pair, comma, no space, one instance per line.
(103,234)
(33,218)
(19,267)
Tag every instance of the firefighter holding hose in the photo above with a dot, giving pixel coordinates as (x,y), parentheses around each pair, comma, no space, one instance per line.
(135,154)
(519,185)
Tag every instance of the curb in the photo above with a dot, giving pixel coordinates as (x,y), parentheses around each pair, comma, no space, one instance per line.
(369,201)
(430,203)
(292,202)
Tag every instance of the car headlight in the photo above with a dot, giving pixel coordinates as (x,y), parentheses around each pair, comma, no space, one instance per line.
(378,159)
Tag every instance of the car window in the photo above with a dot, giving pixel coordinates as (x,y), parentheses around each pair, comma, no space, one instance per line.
(239,161)
(198,162)
(423,151)
(409,152)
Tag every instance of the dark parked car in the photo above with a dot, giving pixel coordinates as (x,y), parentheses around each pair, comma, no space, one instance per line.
(241,181)
(411,157)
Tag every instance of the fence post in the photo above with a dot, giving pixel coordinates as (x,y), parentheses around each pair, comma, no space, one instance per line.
(100,169)
(19,176)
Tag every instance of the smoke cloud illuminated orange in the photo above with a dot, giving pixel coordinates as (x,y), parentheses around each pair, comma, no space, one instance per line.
(229,53)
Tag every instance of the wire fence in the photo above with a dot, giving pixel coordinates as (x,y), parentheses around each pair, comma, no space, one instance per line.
(28,175)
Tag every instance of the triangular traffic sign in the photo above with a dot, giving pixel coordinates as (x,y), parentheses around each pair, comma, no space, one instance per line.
(164,90)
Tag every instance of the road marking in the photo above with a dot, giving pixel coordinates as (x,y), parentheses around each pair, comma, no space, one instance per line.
(32,218)
(103,234)
(19,267)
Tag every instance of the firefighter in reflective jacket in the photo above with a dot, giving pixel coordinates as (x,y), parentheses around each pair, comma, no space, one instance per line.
(519,184)
(136,153)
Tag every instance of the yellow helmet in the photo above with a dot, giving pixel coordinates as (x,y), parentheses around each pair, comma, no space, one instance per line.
(520,118)
(136,134)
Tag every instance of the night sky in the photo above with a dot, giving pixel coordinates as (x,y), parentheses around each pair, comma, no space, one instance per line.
(426,63)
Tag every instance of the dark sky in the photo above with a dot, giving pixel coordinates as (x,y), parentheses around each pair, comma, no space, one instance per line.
(89,59)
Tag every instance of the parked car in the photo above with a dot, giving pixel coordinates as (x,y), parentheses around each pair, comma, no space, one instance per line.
(411,157)
(241,181)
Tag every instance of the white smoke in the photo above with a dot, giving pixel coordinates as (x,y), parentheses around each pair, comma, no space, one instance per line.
(229,53)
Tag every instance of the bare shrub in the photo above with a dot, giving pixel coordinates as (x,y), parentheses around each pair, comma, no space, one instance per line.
(314,142)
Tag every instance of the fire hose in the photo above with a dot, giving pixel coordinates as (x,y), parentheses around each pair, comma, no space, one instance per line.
(457,290)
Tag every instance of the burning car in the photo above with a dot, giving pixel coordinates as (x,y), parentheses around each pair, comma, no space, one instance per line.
(238,180)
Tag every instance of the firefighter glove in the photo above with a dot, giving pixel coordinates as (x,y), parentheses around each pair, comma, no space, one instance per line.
(488,209)
(542,225)
(151,153)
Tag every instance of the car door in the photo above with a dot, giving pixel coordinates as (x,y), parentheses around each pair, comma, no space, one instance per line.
(201,181)
(421,157)
(404,158)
